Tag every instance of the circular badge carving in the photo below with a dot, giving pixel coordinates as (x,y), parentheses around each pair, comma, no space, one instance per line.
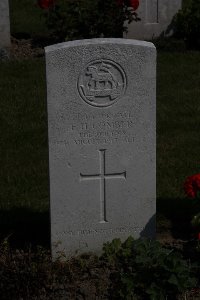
(102,83)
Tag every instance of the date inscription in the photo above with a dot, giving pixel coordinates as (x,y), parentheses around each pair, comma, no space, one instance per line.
(100,129)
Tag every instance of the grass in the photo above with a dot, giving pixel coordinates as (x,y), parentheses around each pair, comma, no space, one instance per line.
(24,188)
(178,122)
(178,145)
(24,176)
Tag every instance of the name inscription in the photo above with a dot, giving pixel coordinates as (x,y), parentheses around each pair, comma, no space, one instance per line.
(103,128)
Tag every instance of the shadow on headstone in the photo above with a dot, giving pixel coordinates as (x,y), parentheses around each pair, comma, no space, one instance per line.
(149,231)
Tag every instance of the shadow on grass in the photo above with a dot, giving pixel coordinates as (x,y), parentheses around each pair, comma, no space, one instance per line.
(24,227)
(179,212)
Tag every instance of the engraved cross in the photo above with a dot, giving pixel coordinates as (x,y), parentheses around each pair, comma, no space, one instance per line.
(102,177)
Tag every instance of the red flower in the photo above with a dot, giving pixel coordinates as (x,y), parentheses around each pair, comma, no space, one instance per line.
(131,3)
(192,185)
(45,4)
(134,4)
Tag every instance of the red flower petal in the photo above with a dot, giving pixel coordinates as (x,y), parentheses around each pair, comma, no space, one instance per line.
(192,185)
(134,4)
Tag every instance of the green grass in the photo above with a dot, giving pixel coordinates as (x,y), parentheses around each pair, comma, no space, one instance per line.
(24,186)
(23,122)
(178,122)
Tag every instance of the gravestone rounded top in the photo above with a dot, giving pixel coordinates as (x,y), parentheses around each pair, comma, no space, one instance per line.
(98,41)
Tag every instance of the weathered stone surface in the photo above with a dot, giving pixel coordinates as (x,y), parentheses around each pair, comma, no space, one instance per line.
(4,26)
(156,16)
(101,117)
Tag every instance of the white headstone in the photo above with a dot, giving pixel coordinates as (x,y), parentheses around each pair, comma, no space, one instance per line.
(156,16)
(101,117)
(4,26)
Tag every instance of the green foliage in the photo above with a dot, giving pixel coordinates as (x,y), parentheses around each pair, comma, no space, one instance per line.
(70,20)
(135,269)
(146,270)
(187,24)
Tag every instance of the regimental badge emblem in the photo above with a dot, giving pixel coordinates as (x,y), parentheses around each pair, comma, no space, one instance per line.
(102,83)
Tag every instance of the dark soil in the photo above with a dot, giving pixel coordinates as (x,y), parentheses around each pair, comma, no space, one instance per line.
(25,49)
